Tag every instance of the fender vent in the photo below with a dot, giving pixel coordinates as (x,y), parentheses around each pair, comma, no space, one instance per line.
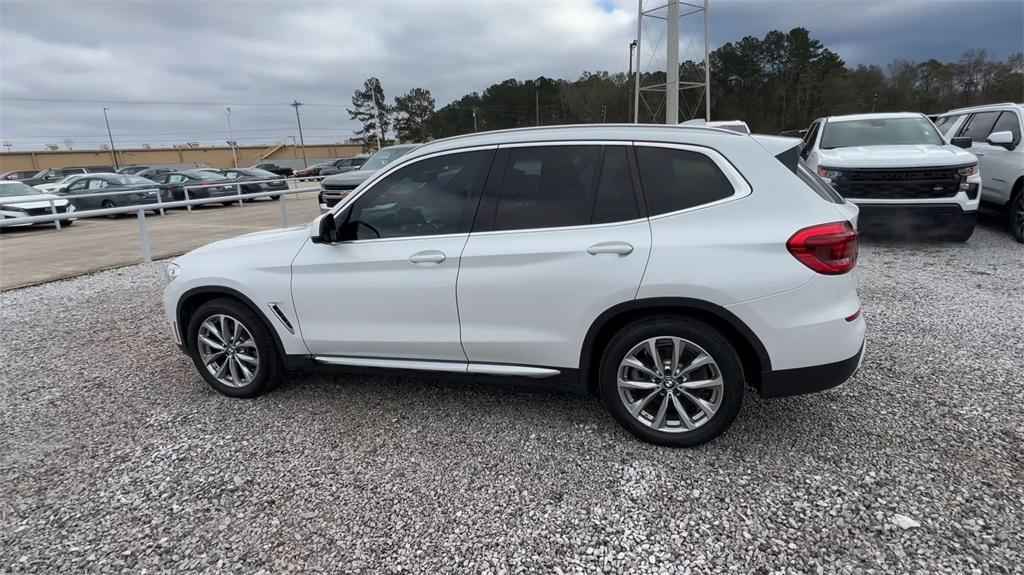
(283,318)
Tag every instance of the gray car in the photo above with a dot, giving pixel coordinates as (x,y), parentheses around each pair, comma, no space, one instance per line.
(334,188)
(105,191)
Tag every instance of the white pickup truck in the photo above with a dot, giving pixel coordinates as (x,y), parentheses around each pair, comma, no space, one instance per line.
(898,169)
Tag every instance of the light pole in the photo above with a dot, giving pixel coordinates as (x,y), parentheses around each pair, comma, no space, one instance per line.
(234,152)
(113,150)
(295,104)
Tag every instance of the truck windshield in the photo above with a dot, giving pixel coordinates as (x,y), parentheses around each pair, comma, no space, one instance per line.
(880,132)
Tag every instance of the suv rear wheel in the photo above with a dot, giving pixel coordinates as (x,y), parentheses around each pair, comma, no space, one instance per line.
(233,350)
(1017,215)
(671,381)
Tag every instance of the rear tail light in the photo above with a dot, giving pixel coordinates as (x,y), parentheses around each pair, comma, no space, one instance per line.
(829,249)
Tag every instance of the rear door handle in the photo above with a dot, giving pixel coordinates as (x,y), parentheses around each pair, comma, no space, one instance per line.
(428,257)
(617,248)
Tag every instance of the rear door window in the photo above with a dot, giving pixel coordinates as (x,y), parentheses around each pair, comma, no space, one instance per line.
(565,186)
(547,187)
(675,179)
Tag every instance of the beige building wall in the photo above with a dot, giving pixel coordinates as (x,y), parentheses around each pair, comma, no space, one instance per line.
(216,157)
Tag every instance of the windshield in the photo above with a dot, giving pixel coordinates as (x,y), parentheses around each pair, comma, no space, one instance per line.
(384,157)
(880,132)
(131,181)
(258,173)
(209,176)
(14,189)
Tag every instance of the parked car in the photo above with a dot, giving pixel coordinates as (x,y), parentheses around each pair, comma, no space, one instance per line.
(16,175)
(664,268)
(901,173)
(54,186)
(344,165)
(138,191)
(131,170)
(52,175)
(275,169)
(312,171)
(995,135)
(200,184)
(20,201)
(334,188)
(153,171)
(255,180)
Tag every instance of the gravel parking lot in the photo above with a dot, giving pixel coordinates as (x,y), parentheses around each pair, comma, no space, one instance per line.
(116,456)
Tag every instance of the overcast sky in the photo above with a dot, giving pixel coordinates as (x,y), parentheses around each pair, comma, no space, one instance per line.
(213,53)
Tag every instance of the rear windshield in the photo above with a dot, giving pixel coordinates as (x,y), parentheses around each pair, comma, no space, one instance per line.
(209,176)
(820,186)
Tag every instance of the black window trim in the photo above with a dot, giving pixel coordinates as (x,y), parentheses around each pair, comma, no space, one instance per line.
(740,186)
(402,163)
(488,209)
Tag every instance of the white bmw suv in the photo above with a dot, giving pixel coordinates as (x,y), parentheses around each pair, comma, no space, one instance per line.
(665,268)
(901,173)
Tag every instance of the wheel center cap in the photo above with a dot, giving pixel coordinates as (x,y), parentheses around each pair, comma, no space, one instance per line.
(668,383)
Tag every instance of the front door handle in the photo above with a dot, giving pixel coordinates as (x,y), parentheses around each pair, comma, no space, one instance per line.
(617,248)
(428,257)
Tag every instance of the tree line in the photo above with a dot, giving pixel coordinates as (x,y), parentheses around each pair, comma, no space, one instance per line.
(780,82)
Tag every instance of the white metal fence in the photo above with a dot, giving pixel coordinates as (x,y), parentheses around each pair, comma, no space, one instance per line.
(159,205)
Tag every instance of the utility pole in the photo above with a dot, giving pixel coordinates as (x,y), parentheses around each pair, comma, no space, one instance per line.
(231,134)
(536,100)
(113,150)
(629,77)
(707,65)
(672,64)
(380,130)
(295,104)
(604,114)
(474,118)
(636,86)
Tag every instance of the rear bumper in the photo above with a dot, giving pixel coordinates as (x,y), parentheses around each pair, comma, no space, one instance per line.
(801,380)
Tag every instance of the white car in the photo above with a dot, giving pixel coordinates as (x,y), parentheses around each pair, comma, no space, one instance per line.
(664,268)
(898,169)
(20,201)
(995,135)
(62,183)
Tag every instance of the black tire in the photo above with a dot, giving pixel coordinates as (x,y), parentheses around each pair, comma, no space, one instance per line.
(1017,215)
(109,204)
(710,340)
(228,204)
(269,370)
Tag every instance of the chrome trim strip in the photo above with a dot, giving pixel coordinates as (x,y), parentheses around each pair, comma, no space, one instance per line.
(445,366)
(513,370)
(449,366)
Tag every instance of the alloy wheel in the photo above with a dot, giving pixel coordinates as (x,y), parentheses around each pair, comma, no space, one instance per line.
(228,350)
(670,384)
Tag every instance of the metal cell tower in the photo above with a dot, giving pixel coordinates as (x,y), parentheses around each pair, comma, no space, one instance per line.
(689,91)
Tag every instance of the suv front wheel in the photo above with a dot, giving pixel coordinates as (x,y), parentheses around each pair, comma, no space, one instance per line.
(671,381)
(233,349)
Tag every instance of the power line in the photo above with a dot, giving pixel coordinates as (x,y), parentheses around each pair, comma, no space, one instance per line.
(137,102)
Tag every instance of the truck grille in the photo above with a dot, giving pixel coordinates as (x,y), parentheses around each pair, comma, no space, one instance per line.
(331,194)
(898,184)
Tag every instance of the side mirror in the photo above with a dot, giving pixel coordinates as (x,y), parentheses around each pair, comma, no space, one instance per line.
(325,230)
(961,142)
(1004,139)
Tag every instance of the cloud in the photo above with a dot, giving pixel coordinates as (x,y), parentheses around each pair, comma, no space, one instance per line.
(272,52)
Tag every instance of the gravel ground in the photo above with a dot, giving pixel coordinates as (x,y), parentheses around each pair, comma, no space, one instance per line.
(116,457)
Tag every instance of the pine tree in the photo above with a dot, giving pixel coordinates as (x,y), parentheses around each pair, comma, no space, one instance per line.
(413,114)
(371,109)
